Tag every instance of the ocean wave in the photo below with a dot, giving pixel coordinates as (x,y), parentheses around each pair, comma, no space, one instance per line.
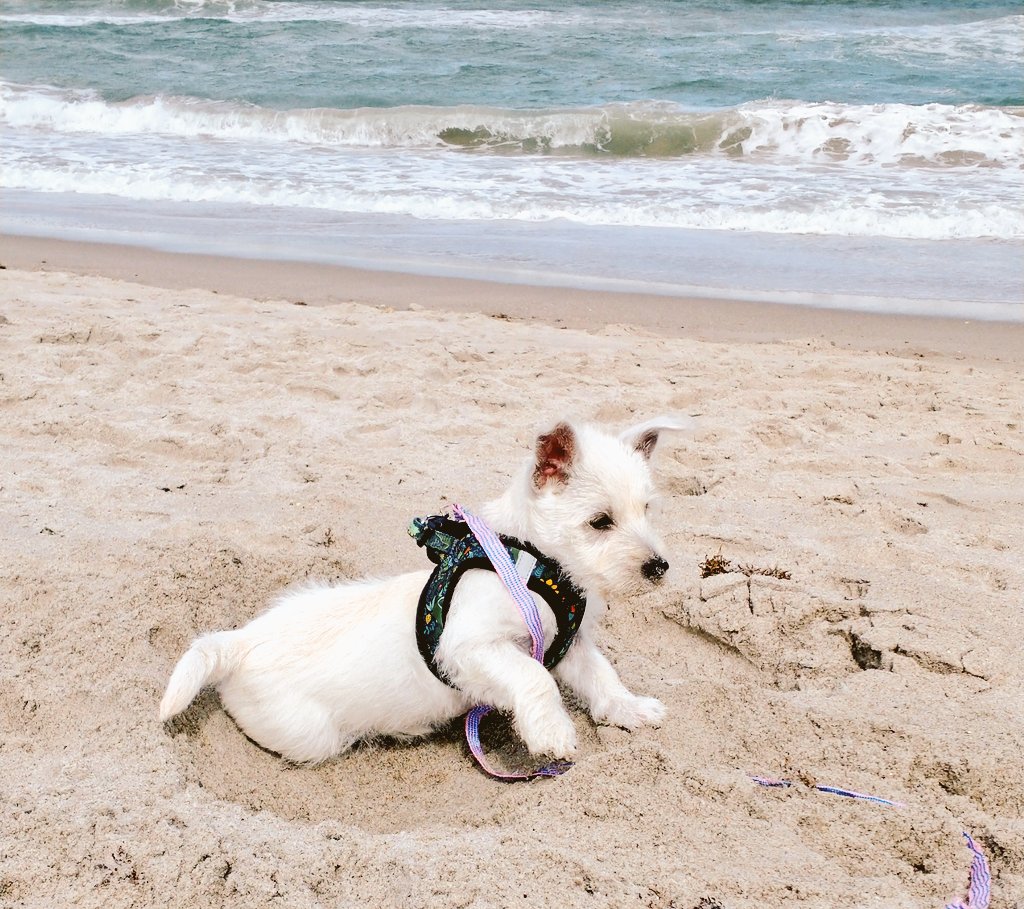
(711,195)
(83,20)
(360,16)
(999,39)
(932,135)
(996,40)
(935,135)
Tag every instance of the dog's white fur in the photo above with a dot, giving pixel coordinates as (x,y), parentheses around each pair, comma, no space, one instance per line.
(327,666)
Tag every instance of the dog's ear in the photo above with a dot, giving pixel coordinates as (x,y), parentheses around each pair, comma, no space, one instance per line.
(555,453)
(644,436)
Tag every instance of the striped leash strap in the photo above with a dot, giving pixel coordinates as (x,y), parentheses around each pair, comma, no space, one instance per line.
(979,889)
(515,584)
(833,790)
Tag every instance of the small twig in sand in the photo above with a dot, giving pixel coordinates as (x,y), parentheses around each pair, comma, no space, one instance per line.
(328,538)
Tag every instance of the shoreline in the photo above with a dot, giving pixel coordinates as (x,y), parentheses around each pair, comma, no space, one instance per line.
(715,320)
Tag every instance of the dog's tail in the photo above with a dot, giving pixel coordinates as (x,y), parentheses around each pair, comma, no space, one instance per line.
(210,660)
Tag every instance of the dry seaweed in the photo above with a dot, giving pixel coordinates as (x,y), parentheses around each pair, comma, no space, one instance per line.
(718,564)
(773,572)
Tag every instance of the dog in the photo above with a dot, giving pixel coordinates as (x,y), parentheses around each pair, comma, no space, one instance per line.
(328,666)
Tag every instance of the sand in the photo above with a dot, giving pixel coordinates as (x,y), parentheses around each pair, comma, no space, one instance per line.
(172,456)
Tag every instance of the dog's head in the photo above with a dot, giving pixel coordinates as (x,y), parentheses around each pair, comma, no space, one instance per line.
(590,505)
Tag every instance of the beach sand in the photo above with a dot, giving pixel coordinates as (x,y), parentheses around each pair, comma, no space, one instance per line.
(172,456)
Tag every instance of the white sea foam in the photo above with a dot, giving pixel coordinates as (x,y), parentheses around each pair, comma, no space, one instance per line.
(83,20)
(996,41)
(933,135)
(357,15)
(721,194)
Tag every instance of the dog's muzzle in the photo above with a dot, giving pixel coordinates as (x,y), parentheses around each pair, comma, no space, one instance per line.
(654,569)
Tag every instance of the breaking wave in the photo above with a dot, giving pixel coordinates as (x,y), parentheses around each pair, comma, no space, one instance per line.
(932,135)
(357,15)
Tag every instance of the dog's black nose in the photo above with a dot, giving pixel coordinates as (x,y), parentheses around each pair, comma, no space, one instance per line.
(654,569)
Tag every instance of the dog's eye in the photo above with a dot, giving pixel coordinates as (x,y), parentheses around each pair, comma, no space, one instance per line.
(602,522)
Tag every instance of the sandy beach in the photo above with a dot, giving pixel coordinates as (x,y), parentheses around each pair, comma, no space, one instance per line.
(182,437)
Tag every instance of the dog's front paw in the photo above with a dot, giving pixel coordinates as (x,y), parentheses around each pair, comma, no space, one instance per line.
(633,712)
(555,738)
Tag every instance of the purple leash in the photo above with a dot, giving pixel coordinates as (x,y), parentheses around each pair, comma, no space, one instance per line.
(516,587)
(979,889)
(833,790)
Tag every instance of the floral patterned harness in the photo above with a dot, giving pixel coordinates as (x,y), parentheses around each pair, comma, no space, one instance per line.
(451,545)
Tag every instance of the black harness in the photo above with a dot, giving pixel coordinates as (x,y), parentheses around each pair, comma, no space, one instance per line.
(450,544)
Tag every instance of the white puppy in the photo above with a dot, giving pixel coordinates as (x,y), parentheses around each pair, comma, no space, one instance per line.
(327,666)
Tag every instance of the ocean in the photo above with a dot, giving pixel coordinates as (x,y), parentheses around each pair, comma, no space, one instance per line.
(867,155)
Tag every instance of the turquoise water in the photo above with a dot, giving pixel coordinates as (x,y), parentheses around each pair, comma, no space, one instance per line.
(893,129)
(697,54)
